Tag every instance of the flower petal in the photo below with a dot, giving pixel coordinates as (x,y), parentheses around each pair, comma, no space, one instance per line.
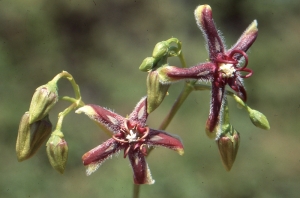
(215,106)
(139,114)
(95,157)
(109,119)
(237,85)
(203,71)
(246,40)
(161,138)
(141,171)
(203,16)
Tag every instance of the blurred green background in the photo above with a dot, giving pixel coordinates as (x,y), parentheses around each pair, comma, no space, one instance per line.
(102,43)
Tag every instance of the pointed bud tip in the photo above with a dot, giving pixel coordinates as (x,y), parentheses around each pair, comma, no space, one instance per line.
(180,151)
(252,28)
(87,109)
(211,134)
(199,11)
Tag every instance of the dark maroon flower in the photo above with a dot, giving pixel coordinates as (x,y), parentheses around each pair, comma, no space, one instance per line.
(129,134)
(224,66)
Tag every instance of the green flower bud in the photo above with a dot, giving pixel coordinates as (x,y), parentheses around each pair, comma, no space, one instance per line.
(31,136)
(156,91)
(161,49)
(147,64)
(228,145)
(258,119)
(57,151)
(44,98)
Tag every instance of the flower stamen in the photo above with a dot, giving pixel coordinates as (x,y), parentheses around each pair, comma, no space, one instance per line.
(131,137)
(227,70)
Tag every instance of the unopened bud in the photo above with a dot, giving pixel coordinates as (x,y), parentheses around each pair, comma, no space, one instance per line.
(44,98)
(161,49)
(31,136)
(57,151)
(147,64)
(228,145)
(156,91)
(258,119)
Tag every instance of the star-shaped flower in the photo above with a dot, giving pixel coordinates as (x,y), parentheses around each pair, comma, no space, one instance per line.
(129,134)
(224,66)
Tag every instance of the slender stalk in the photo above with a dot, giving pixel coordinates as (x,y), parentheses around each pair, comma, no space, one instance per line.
(181,58)
(188,88)
(136,191)
(62,115)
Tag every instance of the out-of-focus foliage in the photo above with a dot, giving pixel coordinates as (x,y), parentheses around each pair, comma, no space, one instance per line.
(102,43)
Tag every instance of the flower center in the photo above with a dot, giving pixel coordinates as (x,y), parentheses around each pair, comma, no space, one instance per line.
(131,137)
(227,70)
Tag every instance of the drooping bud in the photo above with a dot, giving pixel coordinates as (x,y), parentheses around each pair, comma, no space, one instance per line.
(44,98)
(147,64)
(57,151)
(160,50)
(228,145)
(258,119)
(156,91)
(31,136)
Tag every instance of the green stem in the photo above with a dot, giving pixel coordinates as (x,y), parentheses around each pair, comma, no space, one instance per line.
(136,191)
(62,115)
(76,102)
(181,58)
(188,88)
(65,74)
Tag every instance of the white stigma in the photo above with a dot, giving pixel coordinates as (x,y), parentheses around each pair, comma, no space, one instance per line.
(227,70)
(131,137)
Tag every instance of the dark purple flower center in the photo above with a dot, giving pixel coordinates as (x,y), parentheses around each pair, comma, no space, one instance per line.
(228,65)
(132,137)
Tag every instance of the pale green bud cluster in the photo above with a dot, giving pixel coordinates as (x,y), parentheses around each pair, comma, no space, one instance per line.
(156,88)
